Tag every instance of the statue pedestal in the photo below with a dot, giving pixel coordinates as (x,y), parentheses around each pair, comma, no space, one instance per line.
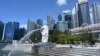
(41,48)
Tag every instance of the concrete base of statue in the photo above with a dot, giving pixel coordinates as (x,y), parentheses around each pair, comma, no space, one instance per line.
(42,47)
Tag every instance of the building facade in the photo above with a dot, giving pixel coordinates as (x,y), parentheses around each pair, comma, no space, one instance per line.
(65,23)
(39,23)
(16,29)
(96,13)
(1,29)
(30,26)
(68,20)
(20,33)
(61,26)
(75,16)
(50,22)
(83,12)
(60,17)
(9,31)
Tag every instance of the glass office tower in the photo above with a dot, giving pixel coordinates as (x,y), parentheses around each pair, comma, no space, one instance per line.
(9,32)
(39,23)
(96,13)
(1,29)
(50,22)
(83,13)
(30,26)
(75,16)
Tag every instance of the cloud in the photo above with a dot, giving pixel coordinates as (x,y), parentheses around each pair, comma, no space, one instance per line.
(23,26)
(61,2)
(66,11)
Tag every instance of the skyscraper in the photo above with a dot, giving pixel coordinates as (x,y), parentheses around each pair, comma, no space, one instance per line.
(20,33)
(96,13)
(9,30)
(30,26)
(83,12)
(16,25)
(16,29)
(60,17)
(61,26)
(55,26)
(1,29)
(75,16)
(68,20)
(39,23)
(50,22)
(49,18)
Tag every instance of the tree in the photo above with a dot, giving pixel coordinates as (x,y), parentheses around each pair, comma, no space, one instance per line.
(62,38)
(36,37)
(53,36)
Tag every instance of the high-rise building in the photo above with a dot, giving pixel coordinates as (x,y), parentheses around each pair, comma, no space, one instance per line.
(1,29)
(66,25)
(39,23)
(16,29)
(64,21)
(50,22)
(75,16)
(49,18)
(55,27)
(96,13)
(20,33)
(8,32)
(16,25)
(60,17)
(61,26)
(83,12)
(68,20)
(30,26)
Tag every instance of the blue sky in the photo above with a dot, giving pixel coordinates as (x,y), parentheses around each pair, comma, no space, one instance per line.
(22,10)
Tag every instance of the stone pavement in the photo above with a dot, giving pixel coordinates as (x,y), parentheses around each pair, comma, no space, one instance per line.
(66,51)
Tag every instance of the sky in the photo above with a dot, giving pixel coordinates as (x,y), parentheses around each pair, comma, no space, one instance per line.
(22,10)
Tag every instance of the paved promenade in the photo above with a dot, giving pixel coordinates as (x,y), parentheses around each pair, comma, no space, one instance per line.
(65,50)
(59,50)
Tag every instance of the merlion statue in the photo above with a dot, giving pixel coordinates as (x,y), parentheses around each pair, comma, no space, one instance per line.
(44,33)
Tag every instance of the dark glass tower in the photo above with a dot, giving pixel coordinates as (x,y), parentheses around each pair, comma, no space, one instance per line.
(39,23)
(60,17)
(10,30)
(30,26)
(16,29)
(68,19)
(83,13)
(50,22)
(1,29)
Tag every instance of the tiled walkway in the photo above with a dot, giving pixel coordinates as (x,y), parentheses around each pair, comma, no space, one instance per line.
(65,51)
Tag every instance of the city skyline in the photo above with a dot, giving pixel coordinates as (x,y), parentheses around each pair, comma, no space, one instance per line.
(21,11)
